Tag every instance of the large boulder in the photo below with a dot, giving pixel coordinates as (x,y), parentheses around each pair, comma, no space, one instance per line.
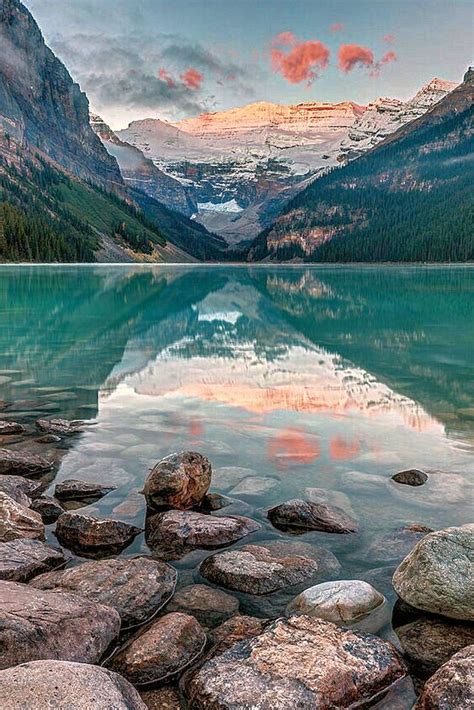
(20,489)
(301,515)
(180,481)
(452,686)
(73,489)
(297,663)
(438,574)
(21,560)
(162,651)
(59,427)
(209,606)
(16,521)
(135,587)
(62,684)
(20,463)
(91,537)
(36,625)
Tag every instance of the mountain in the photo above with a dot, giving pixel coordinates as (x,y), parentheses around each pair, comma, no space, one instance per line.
(408,199)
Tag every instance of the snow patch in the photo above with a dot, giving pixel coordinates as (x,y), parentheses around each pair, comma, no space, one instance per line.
(229,206)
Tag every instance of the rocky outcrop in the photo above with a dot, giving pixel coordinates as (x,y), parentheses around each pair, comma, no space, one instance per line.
(209,606)
(92,537)
(452,686)
(16,521)
(21,560)
(300,516)
(180,481)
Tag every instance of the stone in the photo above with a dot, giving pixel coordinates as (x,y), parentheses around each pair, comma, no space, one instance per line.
(62,684)
(254,570)
(37,625)
(396,544)
(20,489)
(168,646)
(327,563)
(48,439)
(297,663)
(175,532)
(178,481)
(300,516)
(20,463)
(137,588)
(80,490)
(452,686)
(330,497)
(442,488)
(411,477)
(17,521)
(90,536)
(215,501)
(438,574)
(48,507)
(236,629)
(254,486)
(59,427)
(166,698)
(358,481)
(9,428)
(381,579)
(21,560)
(209,606)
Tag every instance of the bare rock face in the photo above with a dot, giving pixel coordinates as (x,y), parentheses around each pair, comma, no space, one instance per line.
(300,516)
(80,490)
(180,481)
(175,532)
(16,521)
(297,663)
(20,463)
(209,606)
(452,686)
(20,489)
(437,576)
(62,684)
(89,536)
(163,650)
(20,560)
(9,428)
(410,477)
(136,588)
(37,625)
(395,545)
(48,507)
(59,427)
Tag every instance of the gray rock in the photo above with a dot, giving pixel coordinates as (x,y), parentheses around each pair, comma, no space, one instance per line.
(178,481)
(20,463)
(20,489)
(300,516)
(48,439)
(327,563)
(410,477)
(59,427)
(48,507)
(209,606)
(16,521)
(254,486)
(20,560)
(452,686)
(80,490)
(396,544)
(9,428)
(90,536)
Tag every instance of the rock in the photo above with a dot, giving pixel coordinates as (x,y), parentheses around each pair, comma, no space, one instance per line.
(48,507)
(80,490)
(59,427)
(227,477)
(214,501)
(411,477)
(20,463)
(20,560)
(16,521)
(254,570)
(300,515)
(327,563)
(440,489)
(37,625)
(331,498)
(20,489)
(209,606)
(178,481)
(297,663)
(48,439)
(7,428)
(135,587)
(452,686)
(163,650)
(395,545)
(166,698)
(236,629)
(358,481)
(381,579)
(175,532)
(89,536)
(254,486)
(437,576)
(62,684)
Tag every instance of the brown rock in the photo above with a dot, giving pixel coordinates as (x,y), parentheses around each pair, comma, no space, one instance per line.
(327,562)
(135,587)
(180,481)
(396,544)
(48,507)
(16,521)
(48,439)
(20,489)
(236,629)
(59,427)
(36,625)
(20,463)
(166,698)
(214,501)
(89,536)
(20,560)
(452,686)
(411,477)
(80,490)
(209,606)
(7,428)
(300,516)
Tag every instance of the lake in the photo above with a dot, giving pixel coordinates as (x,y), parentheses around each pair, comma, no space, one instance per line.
(314,377)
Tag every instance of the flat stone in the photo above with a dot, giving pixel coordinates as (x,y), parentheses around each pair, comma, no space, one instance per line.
(90,536)
(135,587)
(209,606)
(59,427)
(297,663)
(301,515)
(410,477)
(80,490)
(441,489)
(396,544)
(331,498)
(178,481)
(327,563)
(37,625)
(17,521)
(8,428)
(20,463)
(452,686)
(254,570)
(254,486)
(438,574)
(48,507)
(62,684)
(20,489)
(166,698)
(168,646)
(21,560)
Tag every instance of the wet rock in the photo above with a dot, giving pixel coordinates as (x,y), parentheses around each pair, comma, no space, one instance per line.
(135,587)
(8,428)
(90,536)
(166,698)
(20,489)
(227,477)
(236,629)
(209,606)
(410,477)
(48,507)
(173,533)
(396,544)
(297,663)
(80,490)
(300,515)
(437,574)
(254,486)
(61,684)
(254,570)
(331,498)
(59,427)
(36,625)
(162,651)
(21,560)
(178,481)
(48,439)
(358,481)
(381,579)
(214,501)
(17,521)
(327,563)
(441,489)
(20,463)
(452,686)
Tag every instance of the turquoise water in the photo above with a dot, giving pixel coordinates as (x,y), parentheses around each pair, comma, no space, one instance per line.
(311,376)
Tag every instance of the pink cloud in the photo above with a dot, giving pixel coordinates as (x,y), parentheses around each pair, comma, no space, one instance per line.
(164,75)
(337,27)
(192,78)
(301,62)
(284,39)
(352,55)
(389,38)
(388,57)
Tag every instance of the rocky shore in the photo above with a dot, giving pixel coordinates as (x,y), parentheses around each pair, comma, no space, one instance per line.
(232,605)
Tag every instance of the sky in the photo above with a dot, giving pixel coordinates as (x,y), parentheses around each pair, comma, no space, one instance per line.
(173,59)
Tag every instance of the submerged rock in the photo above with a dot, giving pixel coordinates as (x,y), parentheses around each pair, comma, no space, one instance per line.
(90,536)
(62,684)
(330,497)
(59,427)
(411,477)
(48,507)
(9,428)
(254,487)
(20,489)
(396,544)
(36,625)
(452,686)
(17,521)
(300,515)
(80,490)
(20,463)
(180,481)
(209,606)
(48,439)
(21,560)
(327,563)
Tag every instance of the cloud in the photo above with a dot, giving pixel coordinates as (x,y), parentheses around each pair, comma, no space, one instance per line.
(299,61)
(352,55)
(284,39)
(389,38)
(337,27)
(192,78)
(164,75)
